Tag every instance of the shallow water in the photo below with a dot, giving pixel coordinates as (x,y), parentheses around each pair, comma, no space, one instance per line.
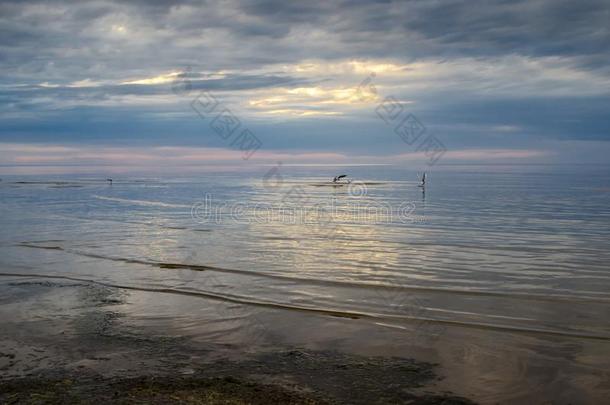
(498,273)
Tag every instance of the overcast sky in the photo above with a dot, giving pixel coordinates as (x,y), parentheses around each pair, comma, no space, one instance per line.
(494,81)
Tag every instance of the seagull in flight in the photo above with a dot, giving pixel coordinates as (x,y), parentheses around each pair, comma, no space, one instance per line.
(337,178)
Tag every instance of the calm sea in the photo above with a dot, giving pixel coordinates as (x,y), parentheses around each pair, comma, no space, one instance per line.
(500,274)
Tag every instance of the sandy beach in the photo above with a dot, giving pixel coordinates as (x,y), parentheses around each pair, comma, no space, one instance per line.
(89,353)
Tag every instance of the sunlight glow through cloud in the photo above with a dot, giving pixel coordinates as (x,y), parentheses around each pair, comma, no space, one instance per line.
(161,79)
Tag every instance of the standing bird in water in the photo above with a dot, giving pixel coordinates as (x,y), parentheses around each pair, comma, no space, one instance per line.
(423,181)
(109,181)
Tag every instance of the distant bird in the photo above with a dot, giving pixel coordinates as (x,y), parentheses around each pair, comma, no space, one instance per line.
(109,180)
(337,178)
(423,180)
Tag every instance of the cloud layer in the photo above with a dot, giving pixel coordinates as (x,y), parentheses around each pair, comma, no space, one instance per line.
(493,75)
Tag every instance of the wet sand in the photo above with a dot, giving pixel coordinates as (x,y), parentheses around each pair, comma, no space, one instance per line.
(64,342)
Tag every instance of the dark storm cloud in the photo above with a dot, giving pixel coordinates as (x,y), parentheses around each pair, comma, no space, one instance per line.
(532,28)
(454,28)
(401,29)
